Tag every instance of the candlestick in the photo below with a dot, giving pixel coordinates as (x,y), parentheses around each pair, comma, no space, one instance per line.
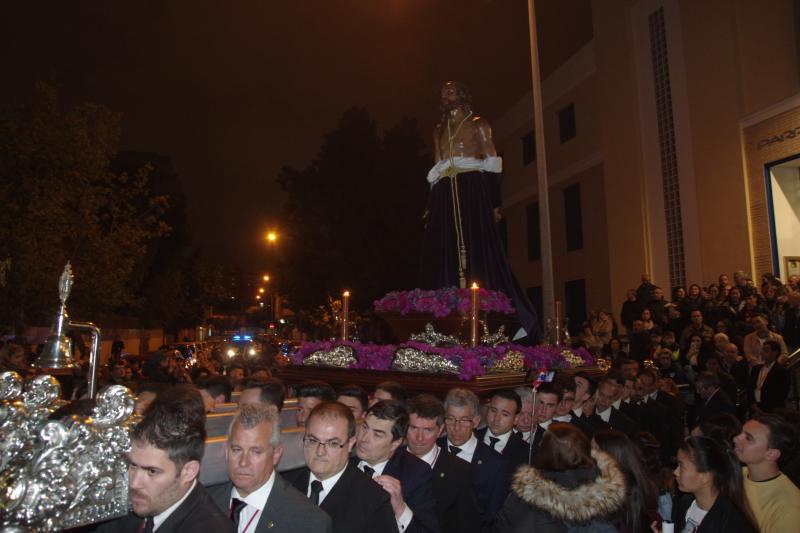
(345,312)
(558,323)
(474,318)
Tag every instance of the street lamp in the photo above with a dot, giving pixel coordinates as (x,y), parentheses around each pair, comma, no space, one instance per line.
(266,277)
(272,236)
(261,290)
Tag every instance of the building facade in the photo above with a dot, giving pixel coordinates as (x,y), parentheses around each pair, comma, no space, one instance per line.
(673,149)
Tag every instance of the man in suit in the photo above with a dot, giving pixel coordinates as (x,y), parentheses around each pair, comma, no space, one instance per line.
(662,414)
(456,505)
(629,405)
(164,463)
(713,399)
(309,395)
(607,414)
(258,499)
(769,382)
(581,389)
(525,420)
(269,391)
(548,399)
(490,469)
(355,503)
(501,417)
(404,476)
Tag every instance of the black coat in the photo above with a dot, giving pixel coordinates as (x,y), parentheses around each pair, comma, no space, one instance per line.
(515,451)
(415,478)
(774,390)
(553,502)
(197,514)
(356,504)
(617,421)
(723,517)
(719,403)
(456,503)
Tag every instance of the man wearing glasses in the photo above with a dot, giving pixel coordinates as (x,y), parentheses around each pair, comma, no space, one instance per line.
(489,468)
(354,502)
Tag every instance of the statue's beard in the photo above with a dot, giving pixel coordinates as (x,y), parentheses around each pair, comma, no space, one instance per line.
(451,105)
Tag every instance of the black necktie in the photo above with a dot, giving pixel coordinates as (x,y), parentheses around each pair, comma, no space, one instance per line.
(368,470)
(147,525)
(493,441)
(455,450)
(236,509)
(316,488)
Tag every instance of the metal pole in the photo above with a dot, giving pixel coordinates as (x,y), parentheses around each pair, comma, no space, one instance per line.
(548,296)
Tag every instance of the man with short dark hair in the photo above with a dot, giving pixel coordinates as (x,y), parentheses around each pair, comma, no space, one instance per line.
(490,469)
(309,395)
(766,442)
(164,464)
(607,414)
(267,391)
(214,390)
(548,400)
(236,372)
(502,415)
(355,503)
(404,476)
(769,381)
(354,397)
(257,495)
(456,504)
(662,414)
(389,390)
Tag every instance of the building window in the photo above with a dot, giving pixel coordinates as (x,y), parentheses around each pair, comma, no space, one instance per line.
(575,304)
(573,217)
(566,123)
(529,148)
(534,238)
(534,294)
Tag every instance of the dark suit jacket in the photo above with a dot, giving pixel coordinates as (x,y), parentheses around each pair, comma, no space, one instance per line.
(286,509)
(633,411)
(723,516)
(197,514)
(415,477)
(616,421)
(774,390)
(356,504)
(456,503)
(515,451)
(490,479)
(719,403)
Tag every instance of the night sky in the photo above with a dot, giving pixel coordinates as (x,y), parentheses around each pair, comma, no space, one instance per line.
(232,91)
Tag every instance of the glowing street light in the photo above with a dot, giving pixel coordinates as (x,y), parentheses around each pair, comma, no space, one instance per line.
(261,290)
(272,236)
(266,277)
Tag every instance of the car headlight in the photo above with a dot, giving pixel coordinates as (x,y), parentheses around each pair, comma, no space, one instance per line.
(231,352)
(252,351)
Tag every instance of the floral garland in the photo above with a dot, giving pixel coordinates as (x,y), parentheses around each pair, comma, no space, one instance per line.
(472,361)
(442,302)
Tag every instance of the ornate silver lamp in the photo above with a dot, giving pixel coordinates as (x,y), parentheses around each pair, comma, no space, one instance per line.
(57,351)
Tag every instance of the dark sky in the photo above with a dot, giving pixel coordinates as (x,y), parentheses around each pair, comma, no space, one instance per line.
(234,90)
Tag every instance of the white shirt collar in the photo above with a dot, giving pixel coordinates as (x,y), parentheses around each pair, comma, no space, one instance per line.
(605,415)
(563,418)
(653,396)
(257,498)
(327,484)
(161,517)
(432,455)
(501,444)
(617,404)
(578,411)
(378,468)
(467,449)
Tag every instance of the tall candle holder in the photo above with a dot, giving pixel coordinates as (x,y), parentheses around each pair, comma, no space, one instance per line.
(345,313)
(473,332)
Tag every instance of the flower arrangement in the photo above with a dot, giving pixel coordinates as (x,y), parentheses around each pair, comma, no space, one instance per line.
(471,361)
(442,302)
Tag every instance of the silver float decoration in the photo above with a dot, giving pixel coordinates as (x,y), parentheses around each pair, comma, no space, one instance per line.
(493,339)
(341,356)
(61,474)
(413,360)
(434,338)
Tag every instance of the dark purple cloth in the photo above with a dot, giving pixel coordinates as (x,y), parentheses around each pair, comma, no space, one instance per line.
(487,264)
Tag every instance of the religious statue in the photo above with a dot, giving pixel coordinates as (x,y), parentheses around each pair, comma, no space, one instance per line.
(462,242)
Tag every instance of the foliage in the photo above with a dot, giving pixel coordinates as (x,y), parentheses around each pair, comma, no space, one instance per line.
(352,217)
(61,201)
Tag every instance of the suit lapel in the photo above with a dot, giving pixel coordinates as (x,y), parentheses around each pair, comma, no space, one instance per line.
(184,510)
(335,501)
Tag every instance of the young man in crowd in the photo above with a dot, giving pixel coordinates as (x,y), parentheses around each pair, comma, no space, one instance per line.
(548,399)
(309,395)
(354,397)
(524,423)
(502,415)
(164,464)
(214,390)
(257,498)
(765,442)
(404,476)
(769,381)
(268,391)
(355,503)
(389,390)
(456,504)
(607,414)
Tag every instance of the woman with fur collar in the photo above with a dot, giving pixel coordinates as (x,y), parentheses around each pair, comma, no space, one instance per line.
(570,487)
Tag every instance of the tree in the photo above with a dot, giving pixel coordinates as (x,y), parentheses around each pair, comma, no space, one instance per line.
(60,201)
(352,217)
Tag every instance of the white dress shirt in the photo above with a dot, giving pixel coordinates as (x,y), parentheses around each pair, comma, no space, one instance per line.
(501,443)
(327,484)
(256,501)
(467,449)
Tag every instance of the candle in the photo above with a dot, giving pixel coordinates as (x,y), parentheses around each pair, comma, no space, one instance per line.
(345,312)
(474,318)
(557,318)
